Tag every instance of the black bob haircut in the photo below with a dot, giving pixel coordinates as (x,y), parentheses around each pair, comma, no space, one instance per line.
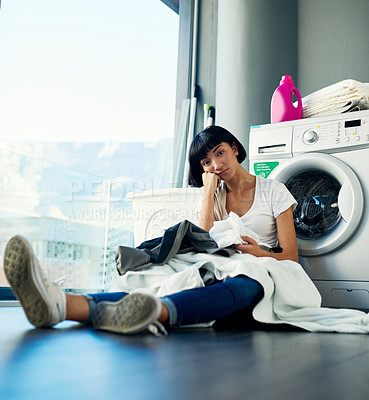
(205,141)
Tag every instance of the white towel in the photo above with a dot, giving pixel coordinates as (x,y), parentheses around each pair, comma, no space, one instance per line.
(290,296)
(229,231)
(347,95)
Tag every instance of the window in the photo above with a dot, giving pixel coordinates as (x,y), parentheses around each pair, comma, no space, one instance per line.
(87,100)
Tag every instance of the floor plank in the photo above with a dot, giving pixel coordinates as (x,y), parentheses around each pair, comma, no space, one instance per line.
(77,362)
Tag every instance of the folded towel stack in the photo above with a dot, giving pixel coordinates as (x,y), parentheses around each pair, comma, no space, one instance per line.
(345,96)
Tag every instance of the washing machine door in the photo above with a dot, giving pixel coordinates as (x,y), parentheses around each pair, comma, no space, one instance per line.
(330,201)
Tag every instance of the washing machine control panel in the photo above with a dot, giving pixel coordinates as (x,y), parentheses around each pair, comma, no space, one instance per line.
(335,135)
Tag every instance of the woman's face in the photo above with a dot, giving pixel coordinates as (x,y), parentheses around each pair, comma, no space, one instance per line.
(221,160)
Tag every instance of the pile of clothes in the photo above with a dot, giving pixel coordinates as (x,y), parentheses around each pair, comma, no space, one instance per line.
(345,96)
(188,257)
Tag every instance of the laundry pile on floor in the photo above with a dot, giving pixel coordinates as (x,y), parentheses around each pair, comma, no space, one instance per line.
(163,266)
(345,96)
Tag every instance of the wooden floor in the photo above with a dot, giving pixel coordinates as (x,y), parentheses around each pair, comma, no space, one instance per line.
(77,362)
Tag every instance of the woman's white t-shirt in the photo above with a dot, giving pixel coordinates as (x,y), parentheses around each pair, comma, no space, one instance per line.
(271,199)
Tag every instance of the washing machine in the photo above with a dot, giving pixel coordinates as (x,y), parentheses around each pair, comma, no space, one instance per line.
(324,162)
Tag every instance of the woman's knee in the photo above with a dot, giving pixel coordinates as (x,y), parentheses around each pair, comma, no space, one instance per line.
(242,286)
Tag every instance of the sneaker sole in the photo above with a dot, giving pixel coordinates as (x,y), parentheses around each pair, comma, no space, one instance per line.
(134,313)
(19,273)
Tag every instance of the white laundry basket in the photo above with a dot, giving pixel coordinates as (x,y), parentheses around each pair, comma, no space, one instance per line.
(156,210)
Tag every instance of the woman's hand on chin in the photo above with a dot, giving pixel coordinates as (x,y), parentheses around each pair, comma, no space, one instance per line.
(211,181)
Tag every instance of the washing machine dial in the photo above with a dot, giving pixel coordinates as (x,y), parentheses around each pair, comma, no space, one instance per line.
(310,136)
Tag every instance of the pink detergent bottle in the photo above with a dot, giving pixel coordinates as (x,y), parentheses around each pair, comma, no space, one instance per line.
(282,107)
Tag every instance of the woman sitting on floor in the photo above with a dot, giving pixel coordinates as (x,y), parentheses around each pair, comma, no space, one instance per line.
(265,207)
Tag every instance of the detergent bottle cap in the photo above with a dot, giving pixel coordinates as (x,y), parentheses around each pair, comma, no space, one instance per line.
(286,79)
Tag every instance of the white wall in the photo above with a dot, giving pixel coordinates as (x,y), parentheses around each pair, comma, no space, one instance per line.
(333,42)
(257,44)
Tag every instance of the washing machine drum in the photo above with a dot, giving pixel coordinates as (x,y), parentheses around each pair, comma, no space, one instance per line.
(317,212)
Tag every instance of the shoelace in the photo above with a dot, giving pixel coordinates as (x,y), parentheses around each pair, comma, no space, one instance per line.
(157,329)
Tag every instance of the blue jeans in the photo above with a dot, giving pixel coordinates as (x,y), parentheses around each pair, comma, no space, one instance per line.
(205,304)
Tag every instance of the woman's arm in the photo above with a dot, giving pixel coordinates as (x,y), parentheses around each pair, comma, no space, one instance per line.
(286,236)
(211,182)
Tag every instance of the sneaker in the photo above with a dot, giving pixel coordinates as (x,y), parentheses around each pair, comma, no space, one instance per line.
(43,301)
(134,313)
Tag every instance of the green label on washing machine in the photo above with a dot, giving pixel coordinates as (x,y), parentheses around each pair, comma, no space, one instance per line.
(265,168)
